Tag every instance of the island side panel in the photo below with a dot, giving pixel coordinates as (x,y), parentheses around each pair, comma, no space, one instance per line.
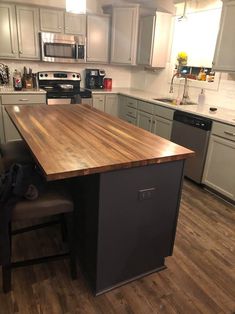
(136,234)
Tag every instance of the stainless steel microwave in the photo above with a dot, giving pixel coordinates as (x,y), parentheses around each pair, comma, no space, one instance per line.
(63,48)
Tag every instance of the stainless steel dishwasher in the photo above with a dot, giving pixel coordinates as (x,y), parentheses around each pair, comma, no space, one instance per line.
(193,132)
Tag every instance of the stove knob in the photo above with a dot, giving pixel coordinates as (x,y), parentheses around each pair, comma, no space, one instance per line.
(74,75)
(77,76)
(41,75)
(46,75)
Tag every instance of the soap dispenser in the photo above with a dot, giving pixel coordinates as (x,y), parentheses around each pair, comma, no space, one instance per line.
(201,98)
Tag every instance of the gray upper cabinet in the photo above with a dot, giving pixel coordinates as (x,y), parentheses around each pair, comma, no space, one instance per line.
(224,59)
(98,28)
(51,21)
(75,24)
(8,41)
(28,28)
(124,35)
(153,43)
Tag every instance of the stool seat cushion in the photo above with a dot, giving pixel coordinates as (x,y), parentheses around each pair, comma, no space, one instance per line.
(51,202)
(15,152)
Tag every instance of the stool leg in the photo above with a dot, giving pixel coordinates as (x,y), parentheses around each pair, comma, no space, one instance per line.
(6,269)
(72,246)
(64,231)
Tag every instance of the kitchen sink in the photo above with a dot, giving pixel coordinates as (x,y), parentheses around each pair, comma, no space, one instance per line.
(172,101)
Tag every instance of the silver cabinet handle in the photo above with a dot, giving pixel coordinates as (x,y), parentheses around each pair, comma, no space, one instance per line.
(229,133)
(23,99)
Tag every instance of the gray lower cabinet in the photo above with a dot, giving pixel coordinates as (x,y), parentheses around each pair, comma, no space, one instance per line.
(8,41)
(111,105)
(144,121)
(161,127)
(98,102)
(8,131)
(98,38)
(128,109)
(27,29)
(106,103)
(51,20)
(219,171)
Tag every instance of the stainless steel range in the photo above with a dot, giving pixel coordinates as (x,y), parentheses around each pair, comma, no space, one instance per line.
(63,88)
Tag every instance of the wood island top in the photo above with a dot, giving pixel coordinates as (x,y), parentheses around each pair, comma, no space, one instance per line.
(75,140)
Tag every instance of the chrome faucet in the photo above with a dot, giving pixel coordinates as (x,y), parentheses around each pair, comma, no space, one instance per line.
(185,97)
(172,80)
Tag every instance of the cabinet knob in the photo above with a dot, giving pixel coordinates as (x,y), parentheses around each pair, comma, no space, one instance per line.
(59,27)
(13,51)
(20,51)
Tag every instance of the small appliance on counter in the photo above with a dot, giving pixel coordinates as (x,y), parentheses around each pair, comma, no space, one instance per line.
(95,78)
(63,88)
(108,83)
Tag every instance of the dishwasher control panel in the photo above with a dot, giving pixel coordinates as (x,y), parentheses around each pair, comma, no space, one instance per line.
(193,120)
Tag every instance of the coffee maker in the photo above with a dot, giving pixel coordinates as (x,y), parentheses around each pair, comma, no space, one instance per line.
(95,78)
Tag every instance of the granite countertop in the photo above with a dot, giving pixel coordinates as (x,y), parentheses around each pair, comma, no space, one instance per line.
(4,90)
(222,114)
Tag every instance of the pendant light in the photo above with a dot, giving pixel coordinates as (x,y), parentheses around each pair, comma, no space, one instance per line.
(76,6)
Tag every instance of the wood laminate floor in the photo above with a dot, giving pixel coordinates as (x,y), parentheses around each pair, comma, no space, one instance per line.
(200,277)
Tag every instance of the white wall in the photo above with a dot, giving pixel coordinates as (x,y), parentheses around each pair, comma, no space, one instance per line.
(121,75)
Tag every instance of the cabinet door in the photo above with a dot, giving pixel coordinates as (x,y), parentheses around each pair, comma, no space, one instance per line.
(98,38)
(11,134)
(27,28)
(224,58)
(162,127)
(8,41)
(124,35)
(98,102)
(146,33)
(51,21)
(111,105)
(75,24)
(219,172)
(144,121)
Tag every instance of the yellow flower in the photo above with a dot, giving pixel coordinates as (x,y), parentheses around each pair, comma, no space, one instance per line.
(182,55)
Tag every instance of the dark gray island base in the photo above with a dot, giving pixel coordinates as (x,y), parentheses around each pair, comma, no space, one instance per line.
(127,222)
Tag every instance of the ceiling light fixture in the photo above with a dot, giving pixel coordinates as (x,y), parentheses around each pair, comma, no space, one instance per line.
(183,17)
(76,6)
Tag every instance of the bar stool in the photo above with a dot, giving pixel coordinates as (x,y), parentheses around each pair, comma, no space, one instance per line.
(54,201)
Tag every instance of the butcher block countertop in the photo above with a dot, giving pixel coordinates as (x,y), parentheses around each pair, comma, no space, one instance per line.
(69,141)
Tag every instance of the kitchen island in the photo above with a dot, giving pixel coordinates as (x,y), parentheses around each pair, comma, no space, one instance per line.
(126,184)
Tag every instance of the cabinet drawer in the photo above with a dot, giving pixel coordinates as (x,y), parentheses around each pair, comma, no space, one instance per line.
(145,106)
(130,111)
(130,120)
(224,130)
(131,102)
(163,112)
(22,99)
